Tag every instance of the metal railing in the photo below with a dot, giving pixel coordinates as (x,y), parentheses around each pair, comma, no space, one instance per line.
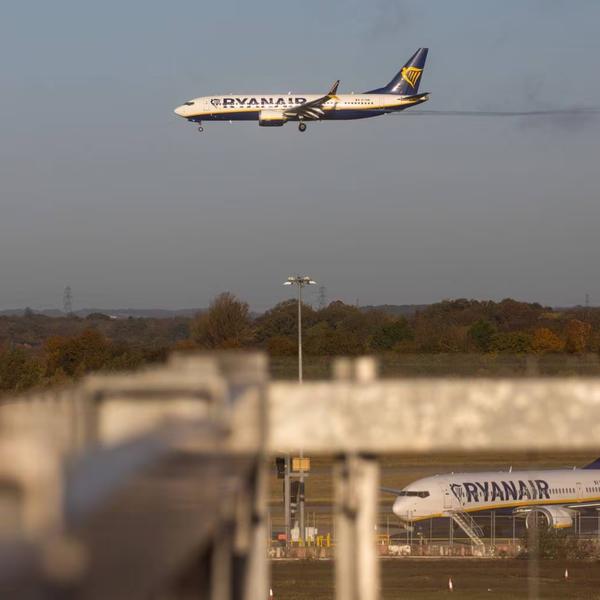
(154,484)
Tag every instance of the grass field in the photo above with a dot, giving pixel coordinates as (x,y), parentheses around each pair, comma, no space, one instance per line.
(394,364)
(422,579)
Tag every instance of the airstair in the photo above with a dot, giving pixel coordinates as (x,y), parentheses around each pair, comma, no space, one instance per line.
(467,523)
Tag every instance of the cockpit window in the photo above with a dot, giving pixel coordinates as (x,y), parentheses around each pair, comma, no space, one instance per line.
(189,103)
(414,494)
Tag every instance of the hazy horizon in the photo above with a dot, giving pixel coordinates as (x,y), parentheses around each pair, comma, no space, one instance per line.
(106,190)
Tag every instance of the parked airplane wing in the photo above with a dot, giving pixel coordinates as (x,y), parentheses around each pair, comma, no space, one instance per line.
(387,490)
(581,505)
(312,109)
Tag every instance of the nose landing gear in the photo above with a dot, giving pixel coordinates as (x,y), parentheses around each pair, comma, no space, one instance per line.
(302,127)
(200,128)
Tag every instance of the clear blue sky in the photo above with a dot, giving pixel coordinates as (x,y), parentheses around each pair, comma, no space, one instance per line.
(105,189)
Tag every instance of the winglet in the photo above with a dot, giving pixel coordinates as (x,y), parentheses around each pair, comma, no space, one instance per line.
(334,87)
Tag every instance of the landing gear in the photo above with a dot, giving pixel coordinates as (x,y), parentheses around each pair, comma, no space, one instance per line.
(301,126)
(200,128)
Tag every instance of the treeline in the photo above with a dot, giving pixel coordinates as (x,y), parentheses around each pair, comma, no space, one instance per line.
(452,326)
(37,351)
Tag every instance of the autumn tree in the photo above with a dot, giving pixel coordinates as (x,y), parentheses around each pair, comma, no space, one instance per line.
(75,356)
(226,324)
(546,341)
(578,336)
(19,370)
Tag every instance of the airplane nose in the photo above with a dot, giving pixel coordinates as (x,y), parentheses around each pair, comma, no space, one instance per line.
(180,111)
(401,509)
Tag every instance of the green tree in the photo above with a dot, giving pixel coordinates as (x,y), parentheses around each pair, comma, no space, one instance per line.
(282,345)
(391,334)
(482,333)
(324,340)
(282,320)
(513,342)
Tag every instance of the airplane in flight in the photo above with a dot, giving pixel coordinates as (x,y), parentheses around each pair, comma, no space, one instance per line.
(274,110)
(548,497)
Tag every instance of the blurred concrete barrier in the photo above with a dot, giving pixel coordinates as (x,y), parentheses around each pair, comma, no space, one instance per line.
(154,484)
(139,485)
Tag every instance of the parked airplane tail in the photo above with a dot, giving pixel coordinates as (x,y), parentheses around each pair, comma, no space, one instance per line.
(593,465)
(406,82)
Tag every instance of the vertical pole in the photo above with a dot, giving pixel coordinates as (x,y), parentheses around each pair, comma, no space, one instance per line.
(286,501)
(514,530)
(387,529)
(533,565)
(300,332)
(301,499)
(270,528)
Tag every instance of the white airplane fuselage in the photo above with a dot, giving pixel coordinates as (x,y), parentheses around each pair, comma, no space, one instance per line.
(555,493)
(274,110)
(267,108)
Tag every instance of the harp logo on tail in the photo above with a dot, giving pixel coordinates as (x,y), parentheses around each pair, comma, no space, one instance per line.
(411,75)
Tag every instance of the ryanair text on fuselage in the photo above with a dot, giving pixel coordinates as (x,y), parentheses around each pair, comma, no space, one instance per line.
(276,109)
(554,494)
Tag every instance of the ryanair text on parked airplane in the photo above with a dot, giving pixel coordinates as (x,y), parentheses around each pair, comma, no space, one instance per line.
(550,496)
(276,109)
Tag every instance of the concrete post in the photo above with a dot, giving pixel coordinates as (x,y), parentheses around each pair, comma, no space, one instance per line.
(257,587)
(222,565)
(356,483)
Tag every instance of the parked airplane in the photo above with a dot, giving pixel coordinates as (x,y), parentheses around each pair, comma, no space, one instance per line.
(276,109)
(549,496)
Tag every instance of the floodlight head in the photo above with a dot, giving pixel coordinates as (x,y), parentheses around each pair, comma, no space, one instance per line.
(300,280)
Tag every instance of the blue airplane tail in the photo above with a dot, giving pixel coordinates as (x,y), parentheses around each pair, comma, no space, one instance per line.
(593,465)
(406,81)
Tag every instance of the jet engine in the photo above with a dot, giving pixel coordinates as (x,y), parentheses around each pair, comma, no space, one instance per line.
(271,118)
(551,517)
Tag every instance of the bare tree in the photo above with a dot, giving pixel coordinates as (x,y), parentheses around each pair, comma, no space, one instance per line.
(226,324)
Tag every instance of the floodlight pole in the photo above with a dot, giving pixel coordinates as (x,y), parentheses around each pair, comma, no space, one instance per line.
(300,281)
(299,333)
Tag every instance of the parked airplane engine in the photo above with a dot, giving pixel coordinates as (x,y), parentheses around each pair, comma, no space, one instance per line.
(552,517)
(271,118)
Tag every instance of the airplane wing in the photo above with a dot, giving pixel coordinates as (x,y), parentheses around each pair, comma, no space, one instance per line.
(312,109)
(578,506)
(582,505)
(387,490)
